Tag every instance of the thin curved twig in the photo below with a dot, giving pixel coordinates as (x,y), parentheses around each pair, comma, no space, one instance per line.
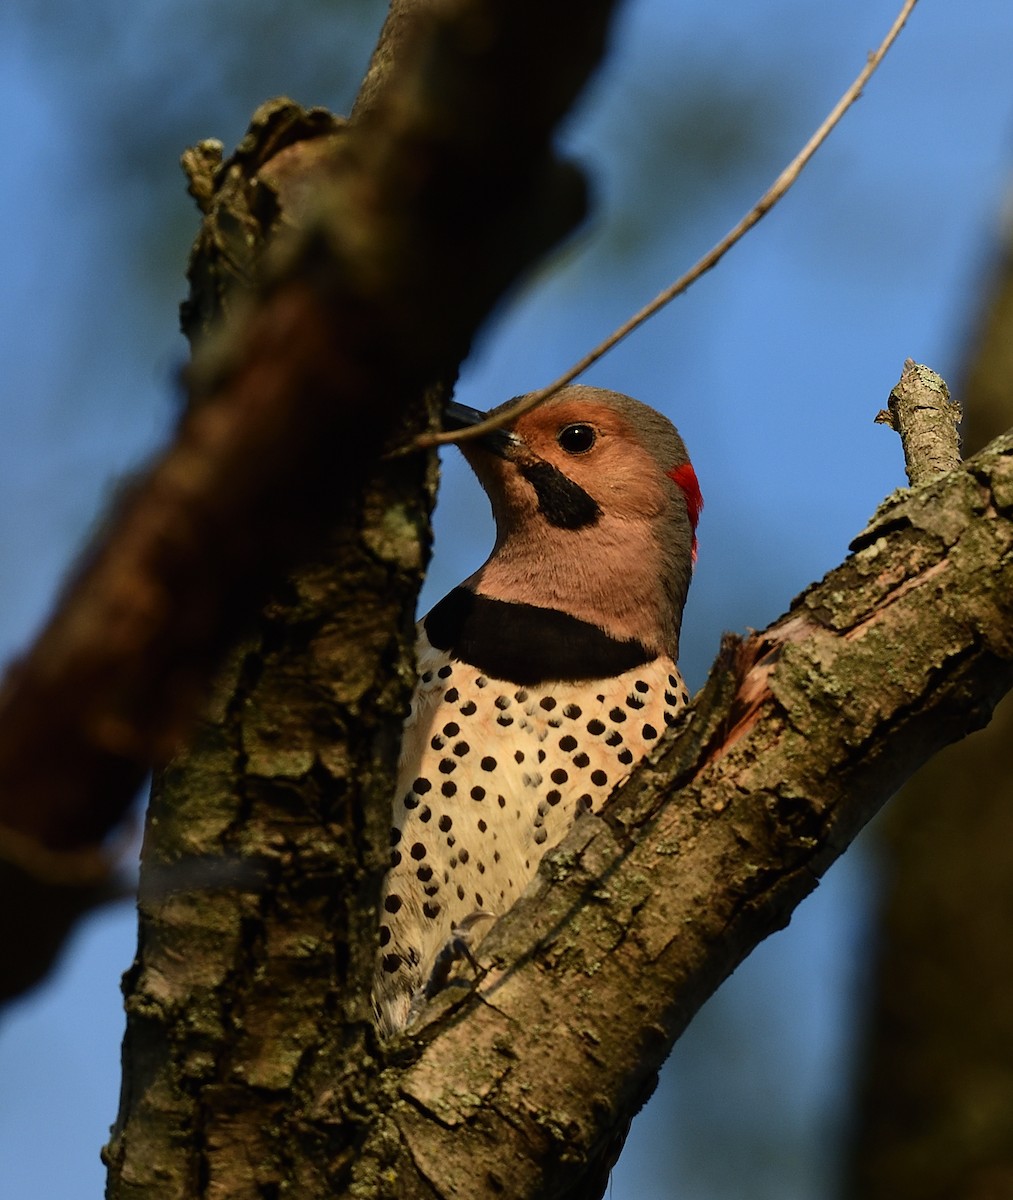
(713,256)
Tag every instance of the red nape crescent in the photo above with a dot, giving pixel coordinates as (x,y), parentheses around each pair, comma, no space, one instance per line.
(686,479)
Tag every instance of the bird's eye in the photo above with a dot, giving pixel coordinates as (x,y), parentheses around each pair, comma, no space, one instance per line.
(576,439)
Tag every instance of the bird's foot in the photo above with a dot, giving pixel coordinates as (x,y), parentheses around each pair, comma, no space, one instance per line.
(457,947)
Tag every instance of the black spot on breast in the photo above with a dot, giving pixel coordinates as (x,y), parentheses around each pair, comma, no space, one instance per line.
(599,778)
(568,743)
(393,903)
(449,788)
(617,714)
(445,823)
(418,850)
(650,732)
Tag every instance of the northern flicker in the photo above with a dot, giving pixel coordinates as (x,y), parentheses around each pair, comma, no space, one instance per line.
(543,678)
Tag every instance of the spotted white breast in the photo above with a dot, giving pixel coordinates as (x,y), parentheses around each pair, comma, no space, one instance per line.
(492,775)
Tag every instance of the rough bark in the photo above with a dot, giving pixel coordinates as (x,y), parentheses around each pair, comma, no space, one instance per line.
(937,1091)
(921,411)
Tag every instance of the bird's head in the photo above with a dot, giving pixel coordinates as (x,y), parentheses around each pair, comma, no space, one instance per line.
(596,506)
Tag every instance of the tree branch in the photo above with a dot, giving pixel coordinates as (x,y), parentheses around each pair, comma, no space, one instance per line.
(802,733)
(921,411)
(410,223)
(772,196)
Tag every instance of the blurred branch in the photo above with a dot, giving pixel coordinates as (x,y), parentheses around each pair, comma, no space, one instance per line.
(436,198)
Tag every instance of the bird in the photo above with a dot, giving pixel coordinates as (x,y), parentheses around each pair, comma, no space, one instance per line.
(543,678)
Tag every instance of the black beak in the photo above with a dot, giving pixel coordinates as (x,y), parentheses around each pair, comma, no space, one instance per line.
(460,416)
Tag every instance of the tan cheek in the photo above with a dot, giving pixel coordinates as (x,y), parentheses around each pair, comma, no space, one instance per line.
(625,489)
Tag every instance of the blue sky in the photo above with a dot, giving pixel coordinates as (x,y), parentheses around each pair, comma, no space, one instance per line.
(773,367)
